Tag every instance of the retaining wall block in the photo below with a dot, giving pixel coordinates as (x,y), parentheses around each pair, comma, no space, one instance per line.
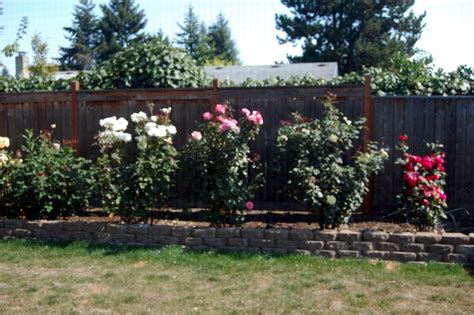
(455,239)
(21,232)
(326,235)
(145,238)
(413,247)
(427,238)
(238,242)
(227,232)
(261,243)
(300,235)
(276,234)
(167,240)
(5,232)
(33,225)
(123,238)
(311,245)
(349,236)
(363,246)
(401,238)
(375,254)
(74,225)
(181,231)
(116,228)
(471,238)
(251,233)
(94,227)
(286,244)
(138,229)
(326,253)
(465,249)
(374,236)
(336,245)
(80,236)
(160,230)
(274,251)
(14,223)
(302,252)
(214,242)
(387,246)
(455,258)
(348,253)
(205,232)
(440,248)
(52,225)
(193,241)
(424,256)
(402,256)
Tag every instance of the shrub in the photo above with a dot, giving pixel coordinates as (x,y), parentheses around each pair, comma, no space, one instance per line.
(132,188)
(148,65)
(313,162)
(422,200)
(216,163)
(50,181)
(7,166)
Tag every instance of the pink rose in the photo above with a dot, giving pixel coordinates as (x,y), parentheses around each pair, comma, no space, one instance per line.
(196,135)
(220,109)
(249,205)
(255,118)
(442,195)
(207,116)
(228,124)
(425,202)
(245,112)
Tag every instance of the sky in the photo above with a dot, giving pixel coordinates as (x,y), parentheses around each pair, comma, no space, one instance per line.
(448,34)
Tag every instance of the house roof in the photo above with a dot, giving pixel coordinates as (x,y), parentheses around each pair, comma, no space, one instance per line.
(238,74)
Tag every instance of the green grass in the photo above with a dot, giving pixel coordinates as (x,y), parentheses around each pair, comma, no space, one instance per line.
(80,278)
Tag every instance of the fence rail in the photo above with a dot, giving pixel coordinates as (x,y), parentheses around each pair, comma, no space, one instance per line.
(446,119)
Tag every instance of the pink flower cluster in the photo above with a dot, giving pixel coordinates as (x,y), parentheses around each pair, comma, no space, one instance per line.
(253,117)
(423,175)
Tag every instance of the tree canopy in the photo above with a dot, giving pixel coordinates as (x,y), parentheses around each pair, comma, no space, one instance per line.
(222,46)
(354,33)
(121,24)
(82,37)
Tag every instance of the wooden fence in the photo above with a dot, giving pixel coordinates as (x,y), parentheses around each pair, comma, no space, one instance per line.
(447,119)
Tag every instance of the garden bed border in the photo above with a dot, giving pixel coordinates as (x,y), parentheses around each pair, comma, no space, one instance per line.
(405,247)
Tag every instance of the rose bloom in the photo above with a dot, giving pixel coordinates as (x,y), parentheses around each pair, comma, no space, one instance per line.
(409,167)
(427,163)
(425,202)
(228,124)
(411,178)
(4,142)
(220,109)
(245,112)
(403,138)
(207,116)
(196,135)
(249,205)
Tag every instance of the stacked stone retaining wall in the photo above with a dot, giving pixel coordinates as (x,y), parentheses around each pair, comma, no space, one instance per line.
(405,247)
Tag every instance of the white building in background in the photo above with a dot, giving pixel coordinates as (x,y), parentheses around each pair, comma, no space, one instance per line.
(238,74)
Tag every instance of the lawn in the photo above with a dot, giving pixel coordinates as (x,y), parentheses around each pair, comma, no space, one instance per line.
(80,278)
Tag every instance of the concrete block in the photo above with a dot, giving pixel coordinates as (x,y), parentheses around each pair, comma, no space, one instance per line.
(300,235)
(374,236)
(335,245)
(180,231)
(276,234)
(375,254)
(251,233)
(326,253)
(349,236)
(138,229)
(455,239)
(456,258)
(325,235)
(465,249)
(193,241)
(440,248)
(424,256)
(427,238)
(204,232)
(348,253)
(402,256)
(286,244)
(226,232)
(238,242)
(363,246)
(160,230)
(261,243)
(311,245)
(387,246)
(401,238)
(413,247)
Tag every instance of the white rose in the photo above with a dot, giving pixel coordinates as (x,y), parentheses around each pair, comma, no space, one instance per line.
(149,126)
(56,146)
(4,142)
(124,136)
(154,118)
(108,122)
(139,117)
(347,121)
(120,125)
(171,130)
(161,131)
(331,200)
(333,138)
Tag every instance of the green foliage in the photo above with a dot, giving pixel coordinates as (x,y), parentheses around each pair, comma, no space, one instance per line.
(82,37)
(8,164)
(50,181)
(13,48)
(353,33)
(222,46)
(121,25)
(422,200)
(40,67)
(217,168)
(133,187)
(312,160)
(148,65)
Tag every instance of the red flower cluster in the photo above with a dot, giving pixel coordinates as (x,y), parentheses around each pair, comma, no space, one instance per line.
(424,177)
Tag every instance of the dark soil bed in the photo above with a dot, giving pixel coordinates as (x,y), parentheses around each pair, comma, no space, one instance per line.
(262,219)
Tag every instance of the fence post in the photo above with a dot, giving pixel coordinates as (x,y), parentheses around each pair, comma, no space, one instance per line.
(368,136)
(74,117)
(215,92)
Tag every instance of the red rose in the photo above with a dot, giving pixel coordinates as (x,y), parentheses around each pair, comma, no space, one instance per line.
(425,202)
(403,138)
(409,167)
(442,195)
(441,168)
(411,178)
(427,163)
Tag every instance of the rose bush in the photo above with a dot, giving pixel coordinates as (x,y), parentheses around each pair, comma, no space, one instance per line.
(47,181)
(217,166)
(422,200)
(132,187)
(313,163)
(7,166)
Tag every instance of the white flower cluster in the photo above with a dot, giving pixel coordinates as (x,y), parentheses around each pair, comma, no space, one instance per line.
(114,131)
(139,117)
(160,131)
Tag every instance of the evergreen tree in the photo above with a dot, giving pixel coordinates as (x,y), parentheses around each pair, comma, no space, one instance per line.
(82,36)
(193,37)
(223,47)
(120,26)
(353,33)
